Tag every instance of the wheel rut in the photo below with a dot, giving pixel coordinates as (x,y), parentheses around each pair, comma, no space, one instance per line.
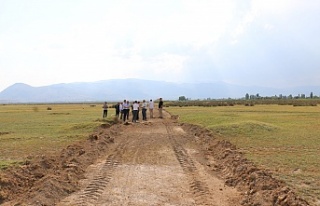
(103,174)
(199,187)
(151,164)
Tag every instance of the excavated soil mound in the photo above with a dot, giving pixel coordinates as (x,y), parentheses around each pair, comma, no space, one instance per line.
(45,180)
(259,187)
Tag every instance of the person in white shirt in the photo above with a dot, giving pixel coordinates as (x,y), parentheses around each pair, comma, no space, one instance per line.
(144,110)
(151,106)
(125,110)
(121,110)
(135,108)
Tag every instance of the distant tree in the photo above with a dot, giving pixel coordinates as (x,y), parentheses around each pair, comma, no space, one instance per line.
(182,98)
(311,95)
(252,96)
(247,96)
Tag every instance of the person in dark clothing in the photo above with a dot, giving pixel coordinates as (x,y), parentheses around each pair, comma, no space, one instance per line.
(117,107)
(138,111)
(144,110)
(160,106)
(105,110)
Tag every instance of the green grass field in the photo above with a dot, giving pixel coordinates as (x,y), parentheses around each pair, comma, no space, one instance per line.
(281,139)
(27,130)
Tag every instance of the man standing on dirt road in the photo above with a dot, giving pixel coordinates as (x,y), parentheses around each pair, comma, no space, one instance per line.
(151,106)
(105,110)
(125,110)
(135,110)
(117,107)
(121,110)
(144,110)
(160,108)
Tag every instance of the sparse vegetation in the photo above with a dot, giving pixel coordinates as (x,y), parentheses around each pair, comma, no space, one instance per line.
(31,129)
(280,138)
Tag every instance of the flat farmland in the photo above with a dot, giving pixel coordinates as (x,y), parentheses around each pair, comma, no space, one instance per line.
(282,139)
(27,130)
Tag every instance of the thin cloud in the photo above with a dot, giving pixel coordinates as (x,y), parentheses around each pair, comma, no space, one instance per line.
(184,40)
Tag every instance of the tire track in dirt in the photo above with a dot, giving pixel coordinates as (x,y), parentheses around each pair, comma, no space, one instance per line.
(199,188)
(95,188)
(159,162)
(141,170)
(150,164)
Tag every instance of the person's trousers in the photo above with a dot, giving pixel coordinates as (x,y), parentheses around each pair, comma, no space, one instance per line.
(160,113)
(135,115)
(105,113)
(151,113)
(121,114)
(144,114)
(125,114)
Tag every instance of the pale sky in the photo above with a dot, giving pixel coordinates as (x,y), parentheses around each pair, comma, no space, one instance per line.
(272,43)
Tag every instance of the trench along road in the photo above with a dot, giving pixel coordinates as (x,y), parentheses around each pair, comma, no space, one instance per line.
(153,163)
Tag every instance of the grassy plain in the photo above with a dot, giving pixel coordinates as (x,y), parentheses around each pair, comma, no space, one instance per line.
(281,139)
(34,129)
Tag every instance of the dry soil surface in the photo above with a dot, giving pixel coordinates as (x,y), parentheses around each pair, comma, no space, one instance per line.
(154,162)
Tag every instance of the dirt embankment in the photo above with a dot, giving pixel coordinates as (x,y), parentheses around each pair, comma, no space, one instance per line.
(150,163)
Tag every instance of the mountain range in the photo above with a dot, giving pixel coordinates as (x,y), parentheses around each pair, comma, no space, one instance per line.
(137,89)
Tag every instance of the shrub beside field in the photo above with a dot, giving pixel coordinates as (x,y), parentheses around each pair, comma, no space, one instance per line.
(281,138)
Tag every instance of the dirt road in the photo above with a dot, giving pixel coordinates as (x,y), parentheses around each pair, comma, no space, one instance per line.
(152,163)
(157,162)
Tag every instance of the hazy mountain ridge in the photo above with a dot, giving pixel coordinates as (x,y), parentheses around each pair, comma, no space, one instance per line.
(132,89)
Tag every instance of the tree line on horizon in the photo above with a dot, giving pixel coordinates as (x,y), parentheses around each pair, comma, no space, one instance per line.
(250,100)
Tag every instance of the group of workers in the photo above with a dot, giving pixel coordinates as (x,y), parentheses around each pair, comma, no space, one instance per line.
(123,109)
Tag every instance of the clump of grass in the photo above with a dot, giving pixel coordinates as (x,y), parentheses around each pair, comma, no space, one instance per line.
(4,164)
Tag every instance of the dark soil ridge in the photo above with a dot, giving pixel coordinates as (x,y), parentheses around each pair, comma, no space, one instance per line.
(44,180)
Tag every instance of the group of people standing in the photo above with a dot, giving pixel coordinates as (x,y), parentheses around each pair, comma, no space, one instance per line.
(123,109)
